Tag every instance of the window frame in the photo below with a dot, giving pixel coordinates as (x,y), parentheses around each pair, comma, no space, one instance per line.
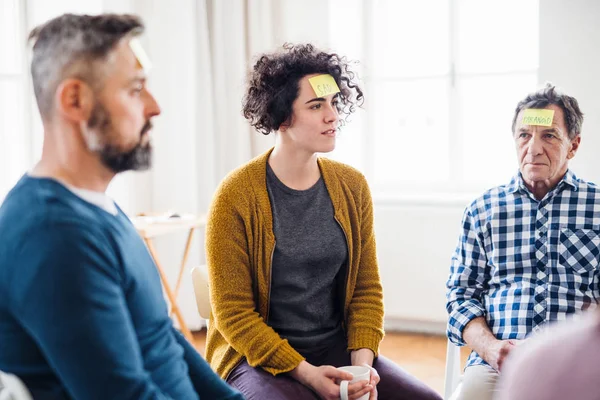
(456,189)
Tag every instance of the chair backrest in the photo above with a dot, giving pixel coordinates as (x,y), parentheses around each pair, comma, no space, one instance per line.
(200,282)
(12,388)
(453,371)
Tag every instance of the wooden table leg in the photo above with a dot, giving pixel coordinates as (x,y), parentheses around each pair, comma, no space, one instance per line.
(186,254)
(182,325)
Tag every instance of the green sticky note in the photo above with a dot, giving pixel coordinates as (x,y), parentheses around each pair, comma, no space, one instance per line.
(538,116)
(323,85)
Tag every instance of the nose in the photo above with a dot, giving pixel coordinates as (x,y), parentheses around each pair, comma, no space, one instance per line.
(332,114)
(152,107)
(534,147)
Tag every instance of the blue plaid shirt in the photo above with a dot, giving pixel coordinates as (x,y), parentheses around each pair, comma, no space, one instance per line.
(521,262)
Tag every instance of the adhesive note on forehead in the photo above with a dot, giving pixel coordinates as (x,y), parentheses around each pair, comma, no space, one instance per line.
(140,54)
(323,85)
(538,116)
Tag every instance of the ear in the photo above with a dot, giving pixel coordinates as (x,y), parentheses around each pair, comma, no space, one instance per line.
(286,124)
(575,142)
(75,100)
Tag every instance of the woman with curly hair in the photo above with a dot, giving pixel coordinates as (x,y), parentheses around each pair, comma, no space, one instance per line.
(290,246)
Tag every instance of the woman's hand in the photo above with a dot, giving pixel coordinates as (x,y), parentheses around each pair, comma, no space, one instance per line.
(374,381)
(365,357)
(323,380)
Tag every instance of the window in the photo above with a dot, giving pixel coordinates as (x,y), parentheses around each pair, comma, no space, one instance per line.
(442,79)
(15,148)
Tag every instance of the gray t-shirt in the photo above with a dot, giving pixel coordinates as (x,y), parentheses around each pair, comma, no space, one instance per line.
(309,265)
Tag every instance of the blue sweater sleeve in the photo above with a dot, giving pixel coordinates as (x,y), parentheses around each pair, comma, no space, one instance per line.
(68,295)
(207,384)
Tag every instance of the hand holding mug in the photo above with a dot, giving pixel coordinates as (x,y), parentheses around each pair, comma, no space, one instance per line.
(360,386)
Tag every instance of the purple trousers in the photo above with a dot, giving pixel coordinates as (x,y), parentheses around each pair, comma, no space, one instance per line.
(395,383)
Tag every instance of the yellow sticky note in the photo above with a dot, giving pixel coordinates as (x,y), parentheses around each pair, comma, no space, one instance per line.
(323,85)
(538,116)
(140,54)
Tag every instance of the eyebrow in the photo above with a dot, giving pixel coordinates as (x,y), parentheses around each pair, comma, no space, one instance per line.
(141,79)
(320,99)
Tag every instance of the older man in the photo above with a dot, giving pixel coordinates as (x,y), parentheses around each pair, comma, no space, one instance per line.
(81,309)
(528,251)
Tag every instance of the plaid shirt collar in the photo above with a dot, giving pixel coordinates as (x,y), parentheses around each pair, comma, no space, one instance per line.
(517,185)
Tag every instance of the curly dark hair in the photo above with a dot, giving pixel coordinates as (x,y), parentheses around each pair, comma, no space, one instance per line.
(548,95)
(274,84)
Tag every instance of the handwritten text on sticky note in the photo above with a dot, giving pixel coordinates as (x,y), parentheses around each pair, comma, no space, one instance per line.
(537,116)
(323,85)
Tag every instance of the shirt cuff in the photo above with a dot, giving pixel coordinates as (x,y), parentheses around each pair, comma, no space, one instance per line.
(460,317)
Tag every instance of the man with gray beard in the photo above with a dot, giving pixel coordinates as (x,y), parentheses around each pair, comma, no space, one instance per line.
(81,309)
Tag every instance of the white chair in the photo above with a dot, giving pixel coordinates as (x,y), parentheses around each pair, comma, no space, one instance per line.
(12,388)
(452,382)
(201,291)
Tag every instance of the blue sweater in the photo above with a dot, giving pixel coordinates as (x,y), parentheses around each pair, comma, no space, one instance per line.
(81,309)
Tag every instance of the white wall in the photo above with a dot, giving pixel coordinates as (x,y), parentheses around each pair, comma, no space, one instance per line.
(416,239)
(570,58)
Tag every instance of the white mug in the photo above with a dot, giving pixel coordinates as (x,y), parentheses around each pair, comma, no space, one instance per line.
(359,373)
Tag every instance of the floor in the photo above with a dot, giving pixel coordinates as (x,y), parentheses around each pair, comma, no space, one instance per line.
(424,356)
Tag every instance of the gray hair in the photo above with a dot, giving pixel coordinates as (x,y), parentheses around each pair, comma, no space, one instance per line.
(548,95)
(75,46)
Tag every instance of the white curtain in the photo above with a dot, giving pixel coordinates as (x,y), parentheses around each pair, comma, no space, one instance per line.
(202,52)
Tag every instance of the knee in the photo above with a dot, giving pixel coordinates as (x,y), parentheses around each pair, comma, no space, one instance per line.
(479,383)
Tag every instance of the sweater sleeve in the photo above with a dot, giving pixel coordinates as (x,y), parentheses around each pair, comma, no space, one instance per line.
(207,384)
(228,237)
(67,294)
(365,313)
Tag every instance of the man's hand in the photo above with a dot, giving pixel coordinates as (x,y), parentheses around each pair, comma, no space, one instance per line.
(480,338)
(496,353)
(323,380)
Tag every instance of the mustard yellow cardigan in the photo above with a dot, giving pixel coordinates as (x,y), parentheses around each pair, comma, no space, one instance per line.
(239,250)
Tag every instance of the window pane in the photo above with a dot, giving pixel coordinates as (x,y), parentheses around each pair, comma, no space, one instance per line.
(410,129)
(11,39)
(487,107)
(344,40)
(349,43)
(497,36)
(14,158)
(410,38)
